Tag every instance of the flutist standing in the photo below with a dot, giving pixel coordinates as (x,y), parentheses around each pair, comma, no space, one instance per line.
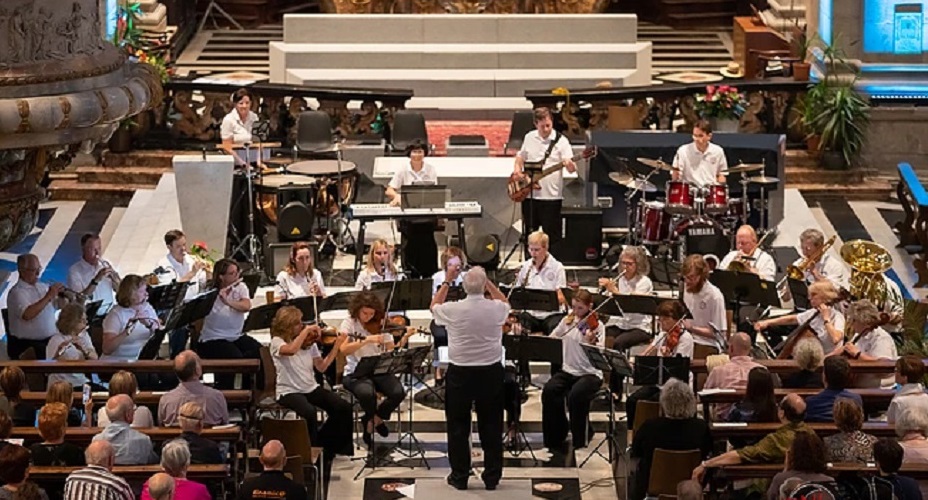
(475,373)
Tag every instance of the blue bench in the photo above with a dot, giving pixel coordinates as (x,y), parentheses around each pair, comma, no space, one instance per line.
(913,230)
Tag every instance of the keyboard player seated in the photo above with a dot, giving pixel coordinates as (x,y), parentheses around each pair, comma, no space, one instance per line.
(420,252)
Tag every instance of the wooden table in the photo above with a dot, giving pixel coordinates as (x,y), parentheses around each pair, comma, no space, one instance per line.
(876,397)
(82,436)
(141,366)
(758,430)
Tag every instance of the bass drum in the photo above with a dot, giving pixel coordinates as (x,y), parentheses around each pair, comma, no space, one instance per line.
(268,189)
(701,235)
(332,184)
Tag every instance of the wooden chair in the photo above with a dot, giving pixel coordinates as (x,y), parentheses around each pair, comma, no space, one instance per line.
(266,395)
(668,468)
(295,438)
(294,468)
(644,411)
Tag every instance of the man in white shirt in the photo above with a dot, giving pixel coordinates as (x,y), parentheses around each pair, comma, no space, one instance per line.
(31,306)
(747,252)
(700,162)
(92,276)
(475,373)
(828,267)
(180,266)
(707,305)
(542,210)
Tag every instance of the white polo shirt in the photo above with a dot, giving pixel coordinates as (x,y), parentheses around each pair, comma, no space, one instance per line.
(296,373)
(439,277)
(407,176)
(818,326)
(234,128)
(707,306)
(534,148)
(763,262)
(684,346)
(575,359)
(223,322)
(73,352)
(831,268)
(117,319)
(295,286)
(879,344)
(700,168)
(81,273)
(352,326)
(551,276)
(475,329)
(639,285)
(23,295)
(176,270)
(366,277)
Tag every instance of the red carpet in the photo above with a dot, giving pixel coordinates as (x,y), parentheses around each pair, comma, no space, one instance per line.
(496,132)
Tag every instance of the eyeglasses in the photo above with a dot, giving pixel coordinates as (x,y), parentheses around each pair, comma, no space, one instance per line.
(627,262)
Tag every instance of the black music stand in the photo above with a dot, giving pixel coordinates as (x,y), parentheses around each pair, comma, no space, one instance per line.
(614,361)
(455,293)
(744,288)
(165,297)
(406,362)
(341,300)
(406,294)
(92,309)
(799,290)
(261,317)
(664,270)
(532,299)
(195,309)
(382,364)
(655,370)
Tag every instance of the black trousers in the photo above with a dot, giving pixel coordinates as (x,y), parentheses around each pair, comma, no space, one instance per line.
(544,214)
(420,253)
(365,390)
(439,339)
(244,347)
(335,434)
(481,388)
(646,393)
(512,395)
(578,393)
(15,347)
(624,340)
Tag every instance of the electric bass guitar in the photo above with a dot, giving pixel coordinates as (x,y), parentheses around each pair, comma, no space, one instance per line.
(520,188)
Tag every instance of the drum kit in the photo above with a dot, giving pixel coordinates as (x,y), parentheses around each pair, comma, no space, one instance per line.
(329,187)
(664,221)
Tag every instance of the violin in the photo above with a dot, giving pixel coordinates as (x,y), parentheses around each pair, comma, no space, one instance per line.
(673,339)
(587,323)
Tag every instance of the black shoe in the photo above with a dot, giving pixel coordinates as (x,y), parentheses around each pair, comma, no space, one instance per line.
(368,438)
(458,485)
(382,429)
(491,486)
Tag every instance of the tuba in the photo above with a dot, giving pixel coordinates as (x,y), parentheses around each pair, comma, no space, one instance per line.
(868,261)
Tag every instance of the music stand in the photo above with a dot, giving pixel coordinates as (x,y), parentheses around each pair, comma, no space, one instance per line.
(381,364)
(665,271)
(167,296)
(655,370)
(614,361)
(405,362)
(91,310)
(261,317)
(744,288)
(799,290)
(406,294)
(195,309)
(525,348)
(455,293)
(532,299)
(424,196)
(341,300)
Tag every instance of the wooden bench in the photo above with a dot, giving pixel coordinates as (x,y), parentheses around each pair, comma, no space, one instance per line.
(766,471)
(234,398)
(82,436)
(913,230)
(199,473)
(759,430)
(787,366)
(878,398)
(140,366)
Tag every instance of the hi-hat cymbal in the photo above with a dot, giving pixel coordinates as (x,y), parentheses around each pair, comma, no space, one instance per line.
(763,179)
(641,185)
(658,163)
(744,168)
(620,177)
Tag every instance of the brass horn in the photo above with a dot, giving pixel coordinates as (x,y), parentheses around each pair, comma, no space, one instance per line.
(868,261)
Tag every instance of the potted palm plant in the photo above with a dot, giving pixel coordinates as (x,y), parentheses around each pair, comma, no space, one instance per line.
(842,125)
(802,42)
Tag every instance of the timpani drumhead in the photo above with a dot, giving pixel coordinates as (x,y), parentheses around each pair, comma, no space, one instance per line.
(321,168)
(280,180)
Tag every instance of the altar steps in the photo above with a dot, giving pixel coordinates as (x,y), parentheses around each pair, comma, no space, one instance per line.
(116,179)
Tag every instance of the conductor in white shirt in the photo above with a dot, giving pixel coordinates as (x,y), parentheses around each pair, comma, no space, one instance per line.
(700,162)
(475,373)
(544,144)
(93,276)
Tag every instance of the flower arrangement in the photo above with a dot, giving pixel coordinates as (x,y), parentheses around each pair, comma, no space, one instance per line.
(128,37)
(202,252)
(723,101)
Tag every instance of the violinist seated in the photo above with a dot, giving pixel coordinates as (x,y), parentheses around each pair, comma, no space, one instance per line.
(366,312)
(221,336)
(631,329)
(825,322)
(380,266)
(299,278)
(750,256)
(675,341)
(578,381)
(870,342)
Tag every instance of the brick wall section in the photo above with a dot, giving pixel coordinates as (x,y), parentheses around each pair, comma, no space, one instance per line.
(496,132)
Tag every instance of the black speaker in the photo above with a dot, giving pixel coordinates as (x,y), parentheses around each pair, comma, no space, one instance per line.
(483,250)
(581,237)
(294,212)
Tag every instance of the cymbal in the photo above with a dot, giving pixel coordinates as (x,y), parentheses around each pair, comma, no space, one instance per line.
(763,179)
(620,177)
(658,163)
(641,185)
(744,168)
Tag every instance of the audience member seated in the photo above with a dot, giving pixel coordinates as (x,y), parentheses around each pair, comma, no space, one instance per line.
(689,490)
(272,483)
(809,355)
(772,448)
(202,450)
(837,377)
(910,370)
(71,343)
(13,383)
(14,470)
(888,455)
(678,428)
(175,460)
(805,460)
(161,487)
(6,428)
(734,374)
(124,382)
(850,444)
(54,450)
(912,429)
(131,446)
(188,370)
(759,403)
(131,321)
(63,392)
(97,481)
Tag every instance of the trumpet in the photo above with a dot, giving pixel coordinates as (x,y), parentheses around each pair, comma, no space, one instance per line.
(111,271)
(72,295)
(207,262)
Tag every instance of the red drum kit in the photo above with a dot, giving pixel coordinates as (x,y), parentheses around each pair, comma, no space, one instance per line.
(685,206)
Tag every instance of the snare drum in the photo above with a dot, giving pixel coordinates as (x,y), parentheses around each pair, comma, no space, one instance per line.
(680,198)
(653,223)
(330,189)
(736,209)
(716,199)
(267,189)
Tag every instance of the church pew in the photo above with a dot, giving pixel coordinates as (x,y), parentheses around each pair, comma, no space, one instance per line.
(82,436)
(786,366)
(140,366)
(718,476)
(199,473)
(759,430)
(878,398)
(913,230)
(234,398)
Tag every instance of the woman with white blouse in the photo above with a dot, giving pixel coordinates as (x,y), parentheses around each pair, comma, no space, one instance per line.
(221,336)
(237,125)
(299,278)
(71,343)
(131,322)
(379,266)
